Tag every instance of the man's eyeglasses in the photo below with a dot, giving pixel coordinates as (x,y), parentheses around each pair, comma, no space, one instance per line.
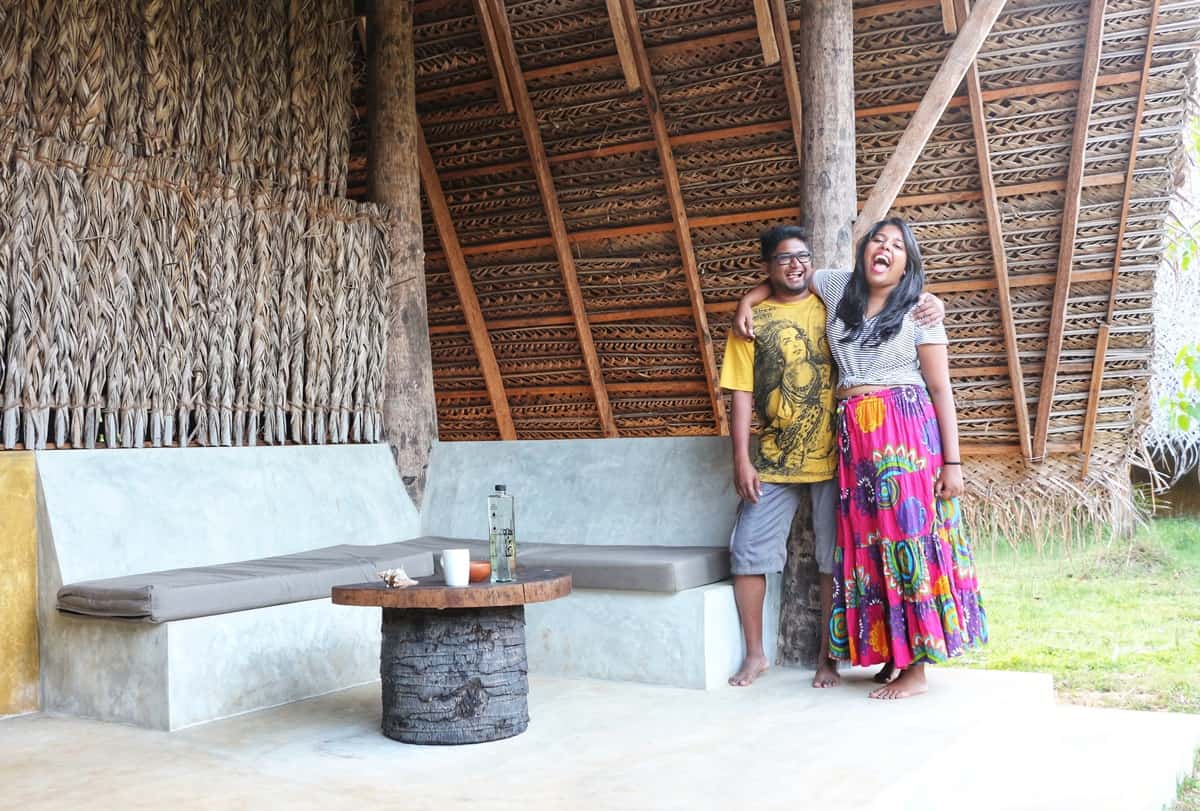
(785,259)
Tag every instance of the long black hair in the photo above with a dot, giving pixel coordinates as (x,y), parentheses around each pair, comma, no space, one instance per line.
(853,305)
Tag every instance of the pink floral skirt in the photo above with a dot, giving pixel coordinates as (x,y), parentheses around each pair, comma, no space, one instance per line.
(905,588)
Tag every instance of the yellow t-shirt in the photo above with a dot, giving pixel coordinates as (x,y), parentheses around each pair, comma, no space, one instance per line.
(788,369)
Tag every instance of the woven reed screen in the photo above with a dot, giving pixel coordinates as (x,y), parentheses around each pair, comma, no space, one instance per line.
(175,264)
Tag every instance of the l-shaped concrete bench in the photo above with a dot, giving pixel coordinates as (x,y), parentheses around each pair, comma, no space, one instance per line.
(215,638)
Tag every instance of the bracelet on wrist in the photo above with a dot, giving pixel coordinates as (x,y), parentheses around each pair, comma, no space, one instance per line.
(951,463)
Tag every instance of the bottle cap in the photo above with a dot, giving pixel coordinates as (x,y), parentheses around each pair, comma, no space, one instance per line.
(501,488)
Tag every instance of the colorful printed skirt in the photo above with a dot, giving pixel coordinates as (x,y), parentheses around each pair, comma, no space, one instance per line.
(904,577)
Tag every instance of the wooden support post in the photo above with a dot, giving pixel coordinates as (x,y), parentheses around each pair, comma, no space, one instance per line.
(679,217)
(1093,406)
(1070,222)
(466,292)
(766,31)
(991,206)
(971,36)
(409,408)
(558,228)
(487,30)
(791,81)
(828,202)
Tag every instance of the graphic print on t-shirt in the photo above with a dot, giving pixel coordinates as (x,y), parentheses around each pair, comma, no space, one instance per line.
(792,379)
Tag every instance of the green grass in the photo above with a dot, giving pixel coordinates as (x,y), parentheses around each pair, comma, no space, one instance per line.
(1118,625)
(1189,791)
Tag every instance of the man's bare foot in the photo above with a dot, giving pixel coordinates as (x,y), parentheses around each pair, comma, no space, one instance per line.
(751,669)
(885,674)
(827,674)
(910,682)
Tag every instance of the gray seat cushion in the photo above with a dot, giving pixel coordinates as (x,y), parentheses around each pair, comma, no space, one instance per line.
(635,568)
(205,590)
(602,566)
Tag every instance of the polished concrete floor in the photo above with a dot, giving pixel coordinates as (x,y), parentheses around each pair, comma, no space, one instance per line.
(979,740)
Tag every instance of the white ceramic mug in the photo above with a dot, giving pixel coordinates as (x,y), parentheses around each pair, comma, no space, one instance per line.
(456,566)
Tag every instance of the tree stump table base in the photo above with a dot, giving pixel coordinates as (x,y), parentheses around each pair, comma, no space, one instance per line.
(455,675)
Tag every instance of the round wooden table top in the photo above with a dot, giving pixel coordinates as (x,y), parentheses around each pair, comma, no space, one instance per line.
(530,586)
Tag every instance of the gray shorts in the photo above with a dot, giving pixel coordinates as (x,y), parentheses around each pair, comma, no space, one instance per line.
(758,544)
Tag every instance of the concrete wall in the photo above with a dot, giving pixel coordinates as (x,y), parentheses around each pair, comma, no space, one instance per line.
(675,491)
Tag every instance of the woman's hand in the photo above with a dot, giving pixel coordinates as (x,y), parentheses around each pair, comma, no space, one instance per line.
(949,483)
(745,481)
(743,321)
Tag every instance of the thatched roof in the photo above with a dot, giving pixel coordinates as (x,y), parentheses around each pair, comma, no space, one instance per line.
(727,113)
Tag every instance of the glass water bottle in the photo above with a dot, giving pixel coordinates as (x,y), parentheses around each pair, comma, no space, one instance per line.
(502,535)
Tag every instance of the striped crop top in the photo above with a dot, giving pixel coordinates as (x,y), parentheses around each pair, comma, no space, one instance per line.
(892,363)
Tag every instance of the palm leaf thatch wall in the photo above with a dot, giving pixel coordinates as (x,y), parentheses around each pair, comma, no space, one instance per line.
(177,259)
(728,116)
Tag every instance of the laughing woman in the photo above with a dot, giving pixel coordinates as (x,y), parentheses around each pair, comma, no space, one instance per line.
(905,590)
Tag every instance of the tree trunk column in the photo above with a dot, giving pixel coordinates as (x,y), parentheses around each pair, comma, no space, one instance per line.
(454,675)
(393,179)
(828,205)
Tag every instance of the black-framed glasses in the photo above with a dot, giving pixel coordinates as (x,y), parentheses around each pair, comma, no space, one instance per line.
(785,259)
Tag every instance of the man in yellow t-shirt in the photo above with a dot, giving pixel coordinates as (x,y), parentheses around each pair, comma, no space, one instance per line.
(785,376)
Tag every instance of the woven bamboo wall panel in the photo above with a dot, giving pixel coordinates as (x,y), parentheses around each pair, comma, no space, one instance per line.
(149,304)
(255,90)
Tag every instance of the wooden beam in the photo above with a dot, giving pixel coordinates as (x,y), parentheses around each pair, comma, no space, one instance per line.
(766,31)
(653,313)
(962,53)
(1041,88)
(791,81)
(487,30)
(996,239)
(679,217)
(558,228)
(789,213)
(951,17)
(1093,406)
(643,387)
(1070,220)
(624,48)
(466,291)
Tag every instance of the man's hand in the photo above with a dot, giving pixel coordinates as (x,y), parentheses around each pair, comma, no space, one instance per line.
(949,483)
(743,321)
(929,312)
(745,481)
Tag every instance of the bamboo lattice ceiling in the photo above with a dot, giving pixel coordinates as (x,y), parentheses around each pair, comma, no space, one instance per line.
(577,242)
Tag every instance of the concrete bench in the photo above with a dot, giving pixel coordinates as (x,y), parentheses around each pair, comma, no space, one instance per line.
(214,644)
(148,535)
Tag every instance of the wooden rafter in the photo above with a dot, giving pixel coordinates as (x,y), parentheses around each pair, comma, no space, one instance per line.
(466,291)
(788,213)
(655,313)
(971,35)
(1093,406)
(1070,221)
(679,218)
(791,81)
(991,206)
(707,136)
(624,47)
(487,29)
(951,16)
(766,31)
(558,228)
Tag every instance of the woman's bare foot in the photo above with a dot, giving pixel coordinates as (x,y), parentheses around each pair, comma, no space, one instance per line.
(910,682)
(885,674)
(827,674)
(751,669)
